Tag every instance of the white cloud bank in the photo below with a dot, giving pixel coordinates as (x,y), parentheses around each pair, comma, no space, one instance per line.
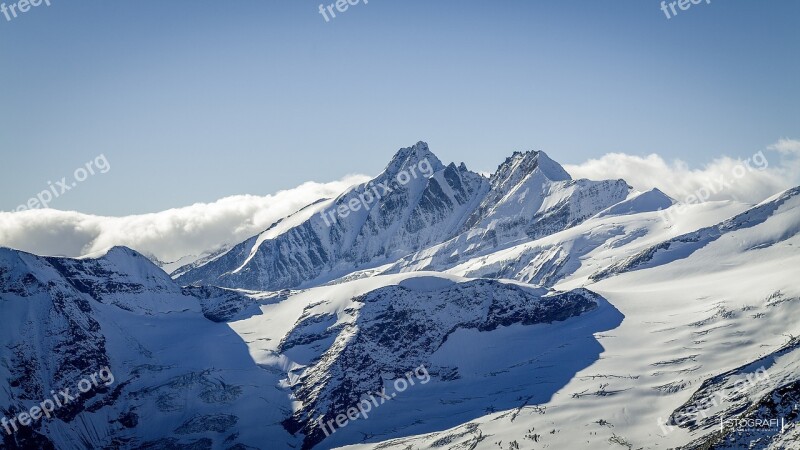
(167,235)
(771,171)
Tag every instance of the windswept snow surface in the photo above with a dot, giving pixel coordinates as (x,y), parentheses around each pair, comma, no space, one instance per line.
(732,303)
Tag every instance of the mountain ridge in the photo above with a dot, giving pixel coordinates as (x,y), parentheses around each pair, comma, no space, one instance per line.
(449,202)
(545,311)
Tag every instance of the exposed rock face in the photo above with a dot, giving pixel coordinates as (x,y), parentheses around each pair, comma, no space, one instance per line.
(66,319)
(448,210)
(394,330)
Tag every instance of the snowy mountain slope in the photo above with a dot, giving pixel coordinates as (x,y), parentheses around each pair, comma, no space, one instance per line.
(180,378)
(393,330)
(489,288)
(274,229)
(429,208)
(684,245)
(188,261)
(185,379)
(640,202)
(692,327)
(762,394)
(451,213)
(532,191)
(531,197)
(121,277)
(338,343)
(48,335)
(613,235)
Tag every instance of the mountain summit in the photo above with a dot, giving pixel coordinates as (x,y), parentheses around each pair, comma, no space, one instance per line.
(408,157)
(529,195)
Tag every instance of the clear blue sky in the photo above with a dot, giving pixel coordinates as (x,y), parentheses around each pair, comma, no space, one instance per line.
(195,100)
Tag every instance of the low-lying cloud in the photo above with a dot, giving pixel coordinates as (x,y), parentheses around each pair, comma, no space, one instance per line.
(770,171)
(167,235)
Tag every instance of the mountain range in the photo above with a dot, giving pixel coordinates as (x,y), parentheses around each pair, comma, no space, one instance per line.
(546,312)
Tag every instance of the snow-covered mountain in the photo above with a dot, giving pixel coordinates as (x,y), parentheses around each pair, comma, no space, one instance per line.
(520,311)
(177,369)
(185,378)
(393,330)
(705,358)
(451,210)
(313,244)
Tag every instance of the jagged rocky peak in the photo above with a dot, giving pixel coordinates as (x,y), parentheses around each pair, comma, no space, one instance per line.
(462,179)
(461,167)
(523,164)
(529,196)
(408,157)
